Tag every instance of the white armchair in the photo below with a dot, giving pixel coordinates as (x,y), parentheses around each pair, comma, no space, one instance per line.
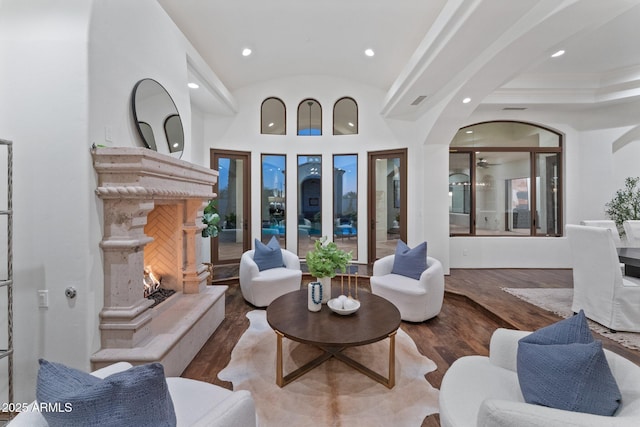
(608,224)
(196,403)
(417,300)
(484,391)
(599,288)
(632,232)
(261,287)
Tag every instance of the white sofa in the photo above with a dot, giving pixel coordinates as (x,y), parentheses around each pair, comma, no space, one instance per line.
(484,391)
(417,300)
(196,403)
(261,287)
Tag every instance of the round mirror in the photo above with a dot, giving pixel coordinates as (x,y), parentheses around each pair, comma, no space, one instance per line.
(157,118)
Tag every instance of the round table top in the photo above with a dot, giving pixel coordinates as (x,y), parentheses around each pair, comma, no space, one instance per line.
(375,320)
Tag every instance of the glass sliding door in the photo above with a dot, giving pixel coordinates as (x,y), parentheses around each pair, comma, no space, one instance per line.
(387,189)
(274,198)
(233,205)
(309,202)
(345,202)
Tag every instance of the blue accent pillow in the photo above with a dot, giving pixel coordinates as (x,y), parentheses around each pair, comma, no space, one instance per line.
(138,396)
(561,366)
(410,262)
(269,255)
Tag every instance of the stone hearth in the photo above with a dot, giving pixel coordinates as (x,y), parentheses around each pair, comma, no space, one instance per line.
(152,215)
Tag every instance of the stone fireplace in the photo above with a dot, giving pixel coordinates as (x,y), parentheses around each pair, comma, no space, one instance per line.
(152,216)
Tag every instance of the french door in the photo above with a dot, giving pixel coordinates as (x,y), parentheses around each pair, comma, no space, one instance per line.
(387,201)
(234,205)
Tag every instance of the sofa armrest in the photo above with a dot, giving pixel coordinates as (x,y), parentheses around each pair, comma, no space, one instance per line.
(237,410)
(503,349)
(383,265)
(503,413)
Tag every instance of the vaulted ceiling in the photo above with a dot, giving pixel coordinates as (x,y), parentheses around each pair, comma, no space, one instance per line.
(496,52)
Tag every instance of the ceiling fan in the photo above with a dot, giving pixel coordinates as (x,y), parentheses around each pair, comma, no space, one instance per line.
(484,163)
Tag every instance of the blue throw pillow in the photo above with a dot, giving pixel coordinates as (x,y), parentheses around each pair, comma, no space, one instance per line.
(138,396)
(561,366)
(410,262)
(269,255)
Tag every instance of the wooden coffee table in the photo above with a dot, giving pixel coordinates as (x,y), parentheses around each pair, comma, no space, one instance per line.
(376,320)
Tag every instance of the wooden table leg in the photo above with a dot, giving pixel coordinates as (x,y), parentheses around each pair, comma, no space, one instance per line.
(279,376)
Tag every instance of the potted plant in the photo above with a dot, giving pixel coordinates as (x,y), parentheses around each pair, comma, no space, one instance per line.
(625,204)
(211,219)
(324,261)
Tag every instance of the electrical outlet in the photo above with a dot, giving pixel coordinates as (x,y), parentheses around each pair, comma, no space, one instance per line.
(43,298)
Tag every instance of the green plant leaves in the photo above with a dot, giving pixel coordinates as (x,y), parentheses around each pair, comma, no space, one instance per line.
(326,259)
(625,204)
(211,218)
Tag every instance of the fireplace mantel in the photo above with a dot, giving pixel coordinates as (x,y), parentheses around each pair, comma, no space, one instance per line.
(132,183)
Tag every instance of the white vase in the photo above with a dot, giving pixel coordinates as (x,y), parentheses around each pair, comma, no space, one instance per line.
(326,288)
(314,294)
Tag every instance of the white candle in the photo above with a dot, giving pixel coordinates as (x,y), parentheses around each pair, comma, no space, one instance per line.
(314,294)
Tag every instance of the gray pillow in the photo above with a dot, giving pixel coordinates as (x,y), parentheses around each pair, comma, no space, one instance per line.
(138,396)
(269,255)
(561,366)
(410,262)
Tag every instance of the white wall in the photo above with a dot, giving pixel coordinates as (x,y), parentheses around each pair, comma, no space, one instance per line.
(68,69)
(44,92)
(242,132)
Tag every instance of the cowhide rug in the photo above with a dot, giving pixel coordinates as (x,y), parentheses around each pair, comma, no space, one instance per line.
(333,394)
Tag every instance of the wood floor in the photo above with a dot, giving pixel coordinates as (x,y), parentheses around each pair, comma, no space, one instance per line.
(474,306)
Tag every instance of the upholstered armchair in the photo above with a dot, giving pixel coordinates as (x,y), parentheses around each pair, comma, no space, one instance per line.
(417,300)
(196,403)
(484,391)
(599,288)
(608,224)
(632,232)
(261,287)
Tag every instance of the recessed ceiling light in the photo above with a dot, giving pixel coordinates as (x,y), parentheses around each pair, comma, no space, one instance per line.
(193,85)
(469,131)
(369,52)
(466,100)
(558,53)
(246,51)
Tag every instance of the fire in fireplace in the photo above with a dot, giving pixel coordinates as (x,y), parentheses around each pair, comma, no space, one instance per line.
(152,289)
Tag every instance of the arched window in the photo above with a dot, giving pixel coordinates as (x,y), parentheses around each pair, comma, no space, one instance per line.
(273,117)
(345,116)
(505,179)
(309,117)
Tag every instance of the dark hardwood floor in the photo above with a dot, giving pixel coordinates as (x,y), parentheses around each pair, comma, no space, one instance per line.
(474,306)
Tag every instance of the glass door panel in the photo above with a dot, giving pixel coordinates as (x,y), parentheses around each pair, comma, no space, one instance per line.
(387,202)
(274,198)
(233,206)
(503,193)
(309,202)
(345,202)
(547,194)
(459,193)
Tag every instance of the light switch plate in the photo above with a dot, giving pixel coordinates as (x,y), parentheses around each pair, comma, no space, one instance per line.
(43,298)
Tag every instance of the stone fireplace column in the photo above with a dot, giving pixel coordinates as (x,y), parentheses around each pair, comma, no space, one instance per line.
(194,274)
(124,317)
